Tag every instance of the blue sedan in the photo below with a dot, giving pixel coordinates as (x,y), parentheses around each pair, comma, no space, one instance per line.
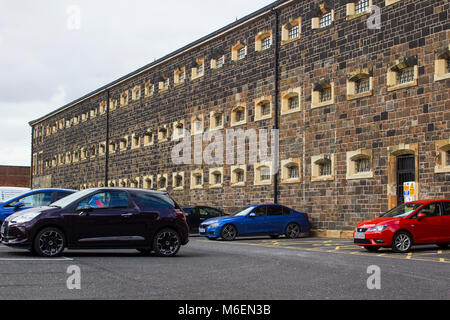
(34,198)
(273,220)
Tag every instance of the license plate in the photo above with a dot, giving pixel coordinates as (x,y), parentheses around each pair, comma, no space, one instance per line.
(202,230)
(360,236)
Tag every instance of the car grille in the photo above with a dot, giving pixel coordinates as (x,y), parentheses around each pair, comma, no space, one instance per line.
(362,241)
(362,230)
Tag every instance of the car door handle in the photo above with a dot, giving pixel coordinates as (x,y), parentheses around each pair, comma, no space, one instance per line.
(127,215)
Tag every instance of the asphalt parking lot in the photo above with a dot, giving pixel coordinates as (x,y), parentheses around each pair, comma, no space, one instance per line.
(255,268)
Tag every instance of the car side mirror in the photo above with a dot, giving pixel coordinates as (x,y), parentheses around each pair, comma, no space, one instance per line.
(18,205)
(252,215)
(421,216)
(85,210)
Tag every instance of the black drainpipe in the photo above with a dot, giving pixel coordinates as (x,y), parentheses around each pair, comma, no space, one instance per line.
(32,151)
(276,125)
(107,139)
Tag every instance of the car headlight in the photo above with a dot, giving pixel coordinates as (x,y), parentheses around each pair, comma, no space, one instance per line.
(25,217)
(379,228)
(214,225)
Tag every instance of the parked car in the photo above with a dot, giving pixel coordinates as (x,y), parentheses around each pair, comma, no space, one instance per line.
(7,193)
(102,218)
(35,198)
(272,220)
(196,215)
(414,223)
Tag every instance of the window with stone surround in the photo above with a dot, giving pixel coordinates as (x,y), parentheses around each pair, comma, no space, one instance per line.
(178,130)
(323,94)
(263,108)
(403,74)
(324,17)
(112,147)
(357,8)
(68,157)
(389,2)
(163,133)
(76,156)
(179,76)
(290,170)
(135,141)
(84,153)
(102,148)
(124,97)
(238,51)
(197,124)
(134,183)
(359,164)
(290,101)
(148,138)
(238,175)
(322,167)
(164,83)
(291,31)
(162,182)
(123,183)
(198,70)
(178,181)
(216,178)
(149,89)
(123,143)
(113,104)
(112,184)
(359,84)
(136,93)
(197,179)
(148,182)
(102,107)
(61,124)
(262,173)
(442,64)
(263,40)
(216,120)
(93,151)
(238,116)
(443,156)
(218,62)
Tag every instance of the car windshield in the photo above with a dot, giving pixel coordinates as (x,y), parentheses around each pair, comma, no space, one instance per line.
(243,212)
(64,202)
(402,211)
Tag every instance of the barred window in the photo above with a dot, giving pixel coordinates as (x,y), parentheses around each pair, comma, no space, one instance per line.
(240,177)
(200,70)
(405,76)
(293,103)
(265,173)
(363,165)
(221,62)
(240,116)
(265,109)
(325,168)
(362,6)
(363,85)
(166,83)
(325,95)
(218,120)
(267,43)
(178,181)
(294,32)
(325,20)
(217,178)
(241,53)
(293,172)
(182,77)
(198,180)
(162,183)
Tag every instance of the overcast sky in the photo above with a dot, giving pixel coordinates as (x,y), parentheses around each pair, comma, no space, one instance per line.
(50,56)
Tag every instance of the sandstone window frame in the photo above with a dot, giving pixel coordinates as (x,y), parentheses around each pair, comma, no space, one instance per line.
(123,143)
(194,121)
(214,118)
(93,151)
(149,89)
(218,62)
(317,22)
(162,181)
(112,147)
(286,97)
(93,113)
(163,84)
(213,173)
(235,171)
(177,125)
(76,156)
(352,6)
(238,110)
(442,65)
(198,70)
(317,92)
(261,103)
(261,37)
(443,157)
(61,159)
(352,164)
(286,166)
(102,148)
(100,184)
(112,183)
(102,107)
(123,183)
(287,31)
(399,66)
(84,154)
(194,175)
(353,80)
(134,183)
(136,93)
(258,174)
(113,104)
(390,2)
(61,124)
(163,133)
(149,138)
(236,49)
(124,98)
(176,178)
(179,76)
(317,162)
(147,182)
(135,141)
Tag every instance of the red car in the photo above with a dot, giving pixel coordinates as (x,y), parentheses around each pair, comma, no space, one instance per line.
(414,223)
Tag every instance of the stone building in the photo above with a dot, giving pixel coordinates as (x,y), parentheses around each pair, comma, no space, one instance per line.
(358,89)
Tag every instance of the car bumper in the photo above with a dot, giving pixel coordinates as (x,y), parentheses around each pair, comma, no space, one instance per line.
(210,232)
(15,236)
(373,239)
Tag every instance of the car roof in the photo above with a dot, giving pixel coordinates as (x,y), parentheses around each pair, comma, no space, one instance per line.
(127,189)
(425,202)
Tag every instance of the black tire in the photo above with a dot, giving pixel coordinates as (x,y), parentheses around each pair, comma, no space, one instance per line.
(402,242)
(372,249)
(49,243)
(292,231)
(167,243)
(274,236)
(212,239)
(229,232)
(145,252)
(443,245)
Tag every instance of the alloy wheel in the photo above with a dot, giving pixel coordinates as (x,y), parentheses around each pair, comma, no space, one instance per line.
(292,231)
(51,243)
(229,232)
(402,243)
(168,243)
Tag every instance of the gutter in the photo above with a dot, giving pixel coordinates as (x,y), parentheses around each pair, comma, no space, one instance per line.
(276,125)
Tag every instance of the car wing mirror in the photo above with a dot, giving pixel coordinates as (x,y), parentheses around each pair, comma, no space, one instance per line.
(252,215)
(85,210)
(18,205)
(421,216)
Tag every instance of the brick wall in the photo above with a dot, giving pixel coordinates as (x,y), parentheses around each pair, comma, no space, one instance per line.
(14,176)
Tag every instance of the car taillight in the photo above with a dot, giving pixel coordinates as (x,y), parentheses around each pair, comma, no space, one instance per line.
(179,213)
(306,216)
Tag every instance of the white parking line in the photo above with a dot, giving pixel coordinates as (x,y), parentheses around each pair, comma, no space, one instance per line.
(36,259)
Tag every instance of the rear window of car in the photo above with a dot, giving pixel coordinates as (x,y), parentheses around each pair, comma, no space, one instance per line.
(154,201)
